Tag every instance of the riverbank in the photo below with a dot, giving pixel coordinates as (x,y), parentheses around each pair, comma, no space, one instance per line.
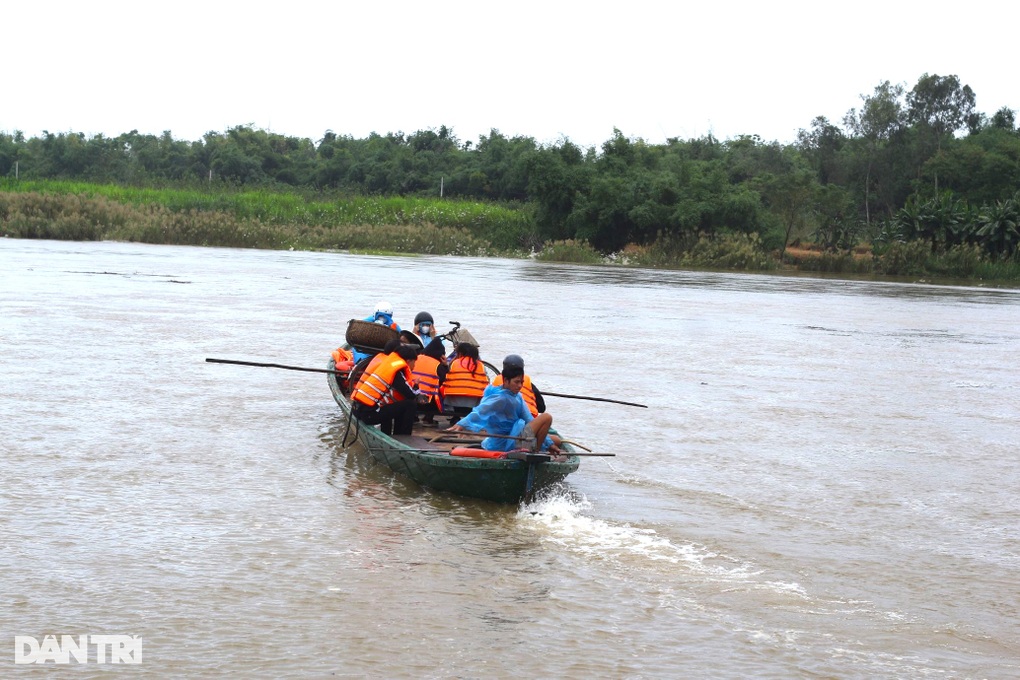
(278,221)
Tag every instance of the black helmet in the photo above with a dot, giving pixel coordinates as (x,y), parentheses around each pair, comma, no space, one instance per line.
(423,317)
(513,360)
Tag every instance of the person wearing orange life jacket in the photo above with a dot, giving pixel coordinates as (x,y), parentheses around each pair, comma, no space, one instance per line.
(429,373)
(466,377)
(384,395)
(532,397)
(369,395)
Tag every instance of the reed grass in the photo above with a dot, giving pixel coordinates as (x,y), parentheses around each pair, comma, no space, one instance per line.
(729,251)
(569,251)
(258,219)
(841,262)
(484,220)
(66,210)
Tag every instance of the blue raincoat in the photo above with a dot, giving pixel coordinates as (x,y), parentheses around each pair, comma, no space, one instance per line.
(500,412)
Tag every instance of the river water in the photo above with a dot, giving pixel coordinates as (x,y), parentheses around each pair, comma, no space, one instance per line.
(825,483)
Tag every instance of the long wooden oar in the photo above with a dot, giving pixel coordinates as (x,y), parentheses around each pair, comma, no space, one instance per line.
(442,451)
(581,396)
(289,368)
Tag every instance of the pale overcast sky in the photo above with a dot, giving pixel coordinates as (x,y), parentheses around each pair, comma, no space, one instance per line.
(653,69)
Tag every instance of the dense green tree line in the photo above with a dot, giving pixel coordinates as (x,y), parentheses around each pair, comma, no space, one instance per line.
(906,164)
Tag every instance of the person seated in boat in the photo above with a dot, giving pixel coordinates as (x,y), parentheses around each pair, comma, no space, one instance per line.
(384,394)
(502,412)
(532,397)
(466,379)
(429,374)
(424,330)
(368,362)
(383,314)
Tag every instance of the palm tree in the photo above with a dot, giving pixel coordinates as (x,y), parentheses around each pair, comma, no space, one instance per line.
(999,227)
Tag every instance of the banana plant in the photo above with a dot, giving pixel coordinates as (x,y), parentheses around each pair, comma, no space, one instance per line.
(999,227)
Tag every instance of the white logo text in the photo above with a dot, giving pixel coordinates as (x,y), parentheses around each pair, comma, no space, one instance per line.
(105,648)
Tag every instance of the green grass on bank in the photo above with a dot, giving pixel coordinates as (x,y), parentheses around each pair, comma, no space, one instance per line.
(65,210)
(283,215)
(79,217)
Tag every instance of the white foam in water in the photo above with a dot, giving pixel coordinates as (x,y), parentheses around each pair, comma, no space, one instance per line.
(561,521)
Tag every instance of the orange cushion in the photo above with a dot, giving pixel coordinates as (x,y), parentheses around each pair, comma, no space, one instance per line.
(477,453)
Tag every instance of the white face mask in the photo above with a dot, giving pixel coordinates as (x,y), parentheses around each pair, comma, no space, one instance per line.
(426,328)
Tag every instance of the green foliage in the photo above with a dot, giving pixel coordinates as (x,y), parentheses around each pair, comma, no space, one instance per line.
(940,103)
(998,228)
(61,217)
(822,148)
(1004,119)
(426,239)
(839,234)
(569,251)
(1000,270)
(961,261)
(252,220)
(883,177)
(880,116)
(485,220)
(984,167)
(774,240)
(905,258)
(943,221)
(790,194)
(840,262)
(730,251)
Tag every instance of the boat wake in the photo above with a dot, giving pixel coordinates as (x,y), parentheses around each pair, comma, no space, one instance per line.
(562,521)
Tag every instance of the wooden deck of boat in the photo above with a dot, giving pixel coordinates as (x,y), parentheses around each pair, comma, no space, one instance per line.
(422,438)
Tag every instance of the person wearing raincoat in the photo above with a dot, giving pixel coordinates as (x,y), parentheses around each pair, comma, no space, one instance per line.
(383,314)
(502,411)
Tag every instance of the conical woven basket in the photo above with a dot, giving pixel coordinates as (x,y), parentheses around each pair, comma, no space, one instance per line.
(368,337)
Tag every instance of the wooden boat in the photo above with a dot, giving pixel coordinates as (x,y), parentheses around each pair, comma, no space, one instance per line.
(427,455)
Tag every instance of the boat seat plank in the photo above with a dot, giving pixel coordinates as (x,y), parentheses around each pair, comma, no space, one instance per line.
(415,441)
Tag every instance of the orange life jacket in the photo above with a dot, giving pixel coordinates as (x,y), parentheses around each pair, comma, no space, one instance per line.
(527,392)
(426,376)
(375,388)
(340,356)
(461,381)
(373,364)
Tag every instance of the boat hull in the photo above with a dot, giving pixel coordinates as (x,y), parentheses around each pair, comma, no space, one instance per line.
(501,480)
